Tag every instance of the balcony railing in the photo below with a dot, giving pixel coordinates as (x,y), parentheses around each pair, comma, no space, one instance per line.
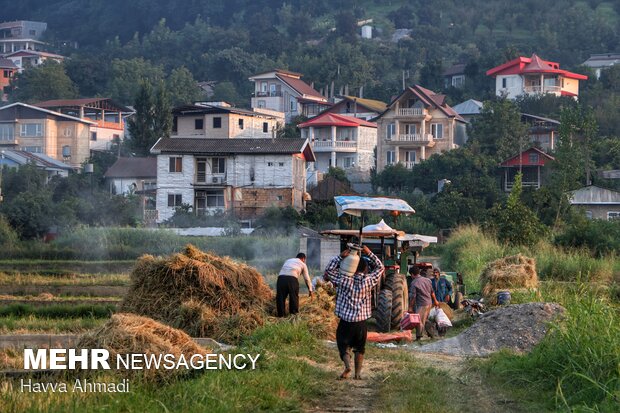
(336,144)
(110,125)
(542,89)
(410,112)
(533,184)
(412,137)
(269,94)
(409,165)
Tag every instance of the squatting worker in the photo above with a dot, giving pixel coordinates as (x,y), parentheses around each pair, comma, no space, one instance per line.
(353,306)
(288,284)
(421,299)
(441,287)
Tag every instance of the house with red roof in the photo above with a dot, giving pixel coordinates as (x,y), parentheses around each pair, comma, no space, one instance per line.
(358,107)
(417,124)
(533,75)
(284,91)
(342,141)
(532,163)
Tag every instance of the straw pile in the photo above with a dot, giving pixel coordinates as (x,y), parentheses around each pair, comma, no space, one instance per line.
(508,274)
(318,312)
(129,333)
(200,293)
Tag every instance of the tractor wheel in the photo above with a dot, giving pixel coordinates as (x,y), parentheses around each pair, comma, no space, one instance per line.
(384,311)
(400,299)
(458,298)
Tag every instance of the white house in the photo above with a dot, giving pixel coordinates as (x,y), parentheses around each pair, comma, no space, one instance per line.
(533,75)
(130,175)
(600,62)
(342,141)
(241,176)
(284,91)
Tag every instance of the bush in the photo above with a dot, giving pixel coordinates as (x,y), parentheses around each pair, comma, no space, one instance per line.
(598,236)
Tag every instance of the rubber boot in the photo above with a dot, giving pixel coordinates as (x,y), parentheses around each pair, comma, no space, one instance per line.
(359,361)
(346,359)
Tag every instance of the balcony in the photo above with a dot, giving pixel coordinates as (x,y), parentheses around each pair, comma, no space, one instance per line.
(415,139)
(337,146)
(542,89)
(269,94)
(109,125)
(508,185)
(205,179)
(411,112)
(409,165)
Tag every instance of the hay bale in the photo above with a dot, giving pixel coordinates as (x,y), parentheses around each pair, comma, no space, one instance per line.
(318,312)
(508,274)
(199,292)
(128,333)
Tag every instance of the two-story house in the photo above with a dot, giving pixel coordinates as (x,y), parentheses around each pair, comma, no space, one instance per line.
(284,91)
(342,141)
(21,35)
(239,175)
(454,76)
(107,116)
(417,124)
(357,107)
(33,129)
(222,121)
(533,75)
(600,62)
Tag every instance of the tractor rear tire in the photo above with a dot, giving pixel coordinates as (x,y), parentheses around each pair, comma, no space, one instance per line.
(384,311)
(400,299)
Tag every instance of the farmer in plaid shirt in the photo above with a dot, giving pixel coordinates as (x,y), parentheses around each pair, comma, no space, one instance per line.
(353,306)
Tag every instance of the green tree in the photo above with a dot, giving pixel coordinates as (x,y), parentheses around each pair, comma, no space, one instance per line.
(45,82)
(152,120)
(182,87)
(128,75)
(339,174)
(514,223)
(498,131)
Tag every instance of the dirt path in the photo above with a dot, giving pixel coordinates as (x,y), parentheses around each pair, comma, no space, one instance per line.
(466,386)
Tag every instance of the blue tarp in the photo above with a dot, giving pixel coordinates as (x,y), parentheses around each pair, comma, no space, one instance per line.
(354,205)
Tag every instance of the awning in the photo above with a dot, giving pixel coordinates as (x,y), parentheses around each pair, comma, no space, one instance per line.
(354,205)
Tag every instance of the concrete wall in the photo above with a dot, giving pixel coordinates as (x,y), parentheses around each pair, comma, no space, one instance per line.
(173,183)
(252,126)
(514,90)
(599,211)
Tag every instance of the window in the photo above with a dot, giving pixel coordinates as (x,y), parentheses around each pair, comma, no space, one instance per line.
(7,133)
(410,129)
(437,130)
(218,165)
(265,127)
(217,123)
(348,162)
(176,164)
(391,130)
(116,138)
(279,197)
(269,163)
(66,151)
(66,132)
(410,156)
(175,200)
(33,32)
(613,215)
(32,149)
(31,129)
(215,199)
(293,105)
(240,123)
(93,136)
(263,87)
(391,157)
(588,214)
(504,83)
(199,124)
(8,73)
(533,158)
(175,124)
(280,164)
(262,104)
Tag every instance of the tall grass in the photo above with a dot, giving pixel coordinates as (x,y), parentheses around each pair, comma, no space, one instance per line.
(469,250)
(58,310)
(578,361)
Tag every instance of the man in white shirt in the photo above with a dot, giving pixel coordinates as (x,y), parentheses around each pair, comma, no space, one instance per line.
(288,284)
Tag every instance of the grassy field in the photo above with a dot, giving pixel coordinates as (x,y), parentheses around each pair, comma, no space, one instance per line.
(35,324)
(18,278)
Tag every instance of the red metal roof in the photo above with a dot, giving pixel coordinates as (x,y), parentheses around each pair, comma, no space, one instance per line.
(533,64)
(334,119)
(523,159)
(300,86)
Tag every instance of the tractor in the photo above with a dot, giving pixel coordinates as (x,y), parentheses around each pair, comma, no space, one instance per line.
(397,250)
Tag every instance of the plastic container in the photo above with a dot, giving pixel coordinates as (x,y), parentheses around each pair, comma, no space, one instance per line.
(503,298)
(410,321)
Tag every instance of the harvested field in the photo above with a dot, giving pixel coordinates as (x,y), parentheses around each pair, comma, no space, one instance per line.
(516,272)
(200,293)
(128,333)
(514,327)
